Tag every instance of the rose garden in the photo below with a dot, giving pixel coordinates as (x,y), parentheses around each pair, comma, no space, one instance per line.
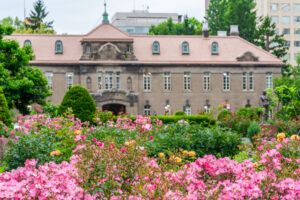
(51,154)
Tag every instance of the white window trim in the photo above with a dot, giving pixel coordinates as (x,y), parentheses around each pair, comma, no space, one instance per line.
(167,81)
(187,81)
(68,84)
(188,111)
(147,82)
(251,76)
(118,80)
(100,83)
(49,77)
(147,111)
(244,81)
(109,82)
(269,80)
(206,81)
(226,78)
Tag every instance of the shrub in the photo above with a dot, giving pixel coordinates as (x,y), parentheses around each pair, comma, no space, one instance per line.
(179,113)
(249,113)
(81,102)
(215,141)
(50,109)
(103,117)
(4,111)
(224,114)
(253,129)
(203,120)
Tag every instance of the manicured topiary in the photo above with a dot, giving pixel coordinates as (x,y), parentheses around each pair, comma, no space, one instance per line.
(81,102)
(5,116)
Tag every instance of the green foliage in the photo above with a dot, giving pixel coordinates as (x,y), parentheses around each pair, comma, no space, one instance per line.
(104,116)
(50,109)
(249,113)
(4,111)
(223,13)
(190,26)
(215,141)
(241,156)
(180,113)
(253,130)
(203,120)
(267,39)
(37,16)
(81,102)
(22,84)
(224,114)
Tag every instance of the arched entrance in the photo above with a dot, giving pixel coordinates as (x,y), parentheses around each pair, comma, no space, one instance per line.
(117,109)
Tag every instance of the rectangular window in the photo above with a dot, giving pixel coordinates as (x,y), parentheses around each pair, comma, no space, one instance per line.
(99,80)
(69,80)
(286,19)
(287,44)
(108,80)
(296,55)
(206,79)
(297,19)
(244,81)
(297,7)
(187,81)
(147,82)
(285,7)
(286,31)
(287,57)
(147,110)
(118,81)
(297,31)
(167,81)
(188,110)
(226,81)
(269,80)
(274,19)
(274,6)
(251,81)
(297,43)
(49,77)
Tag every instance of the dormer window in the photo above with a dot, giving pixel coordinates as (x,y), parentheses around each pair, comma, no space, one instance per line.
(214,48)
(185,48)
(155,48)
(58,47)
(27,42)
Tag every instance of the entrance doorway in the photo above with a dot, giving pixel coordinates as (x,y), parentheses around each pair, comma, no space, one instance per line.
(117,109)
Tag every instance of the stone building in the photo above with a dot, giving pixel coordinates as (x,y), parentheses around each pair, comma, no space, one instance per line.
(141,74)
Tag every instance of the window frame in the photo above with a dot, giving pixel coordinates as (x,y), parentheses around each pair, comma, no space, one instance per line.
(185,48)
(214,48)
(244,81)
(99,81)
(269,80)
(58,51)
(251,81)
(167,81)
(206,81)
(187,81)
(27,42)
(69,82)
(226,81)
(49,77)
(147,82)
(147,110)
(188,110)
(109,83)
(155,49)
(118,80)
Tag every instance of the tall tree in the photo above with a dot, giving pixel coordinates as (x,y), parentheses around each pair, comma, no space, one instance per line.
(266,38)
(223,13)
(22,84)
(38,15)
(215,16)
(190,26)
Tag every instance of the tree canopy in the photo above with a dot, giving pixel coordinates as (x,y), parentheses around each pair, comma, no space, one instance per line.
(190,26)
(22,84)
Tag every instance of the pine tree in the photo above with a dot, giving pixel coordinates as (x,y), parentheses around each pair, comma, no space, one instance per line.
(37,16)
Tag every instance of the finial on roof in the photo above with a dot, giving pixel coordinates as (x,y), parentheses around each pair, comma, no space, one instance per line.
(105,15)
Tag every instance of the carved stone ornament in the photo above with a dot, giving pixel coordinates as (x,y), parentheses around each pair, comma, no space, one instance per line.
(247,56)
(109,51)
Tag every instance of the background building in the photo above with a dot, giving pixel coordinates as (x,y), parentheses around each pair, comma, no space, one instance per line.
(286,15)
(206,4)
(139,21)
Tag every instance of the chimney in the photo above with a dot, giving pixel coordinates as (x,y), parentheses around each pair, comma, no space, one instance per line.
(222,33)
(205,30)
(234,30)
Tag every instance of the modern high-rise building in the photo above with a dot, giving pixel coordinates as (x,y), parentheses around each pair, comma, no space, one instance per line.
(286,15)
(206,4)
(138,22)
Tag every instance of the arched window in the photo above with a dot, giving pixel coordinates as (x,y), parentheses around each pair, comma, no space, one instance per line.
(155,48)
(58,47)
(214,48)
(129,84)
(88,48)
(27,42)
(89,83)
(185,48)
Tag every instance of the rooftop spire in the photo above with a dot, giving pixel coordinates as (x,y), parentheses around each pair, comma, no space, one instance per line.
(105,15)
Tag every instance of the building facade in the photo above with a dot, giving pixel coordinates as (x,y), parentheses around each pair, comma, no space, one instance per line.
(142,74)
(138,22)
(207,4)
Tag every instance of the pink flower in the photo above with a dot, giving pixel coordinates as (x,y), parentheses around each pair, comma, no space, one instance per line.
(261,147)
(286,140)
(273,139)
(264,142)
(123,149)
(100,144)
(151,137)
(94,139)
(278,146)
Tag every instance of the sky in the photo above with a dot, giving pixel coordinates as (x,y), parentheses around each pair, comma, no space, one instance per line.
(81,16)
